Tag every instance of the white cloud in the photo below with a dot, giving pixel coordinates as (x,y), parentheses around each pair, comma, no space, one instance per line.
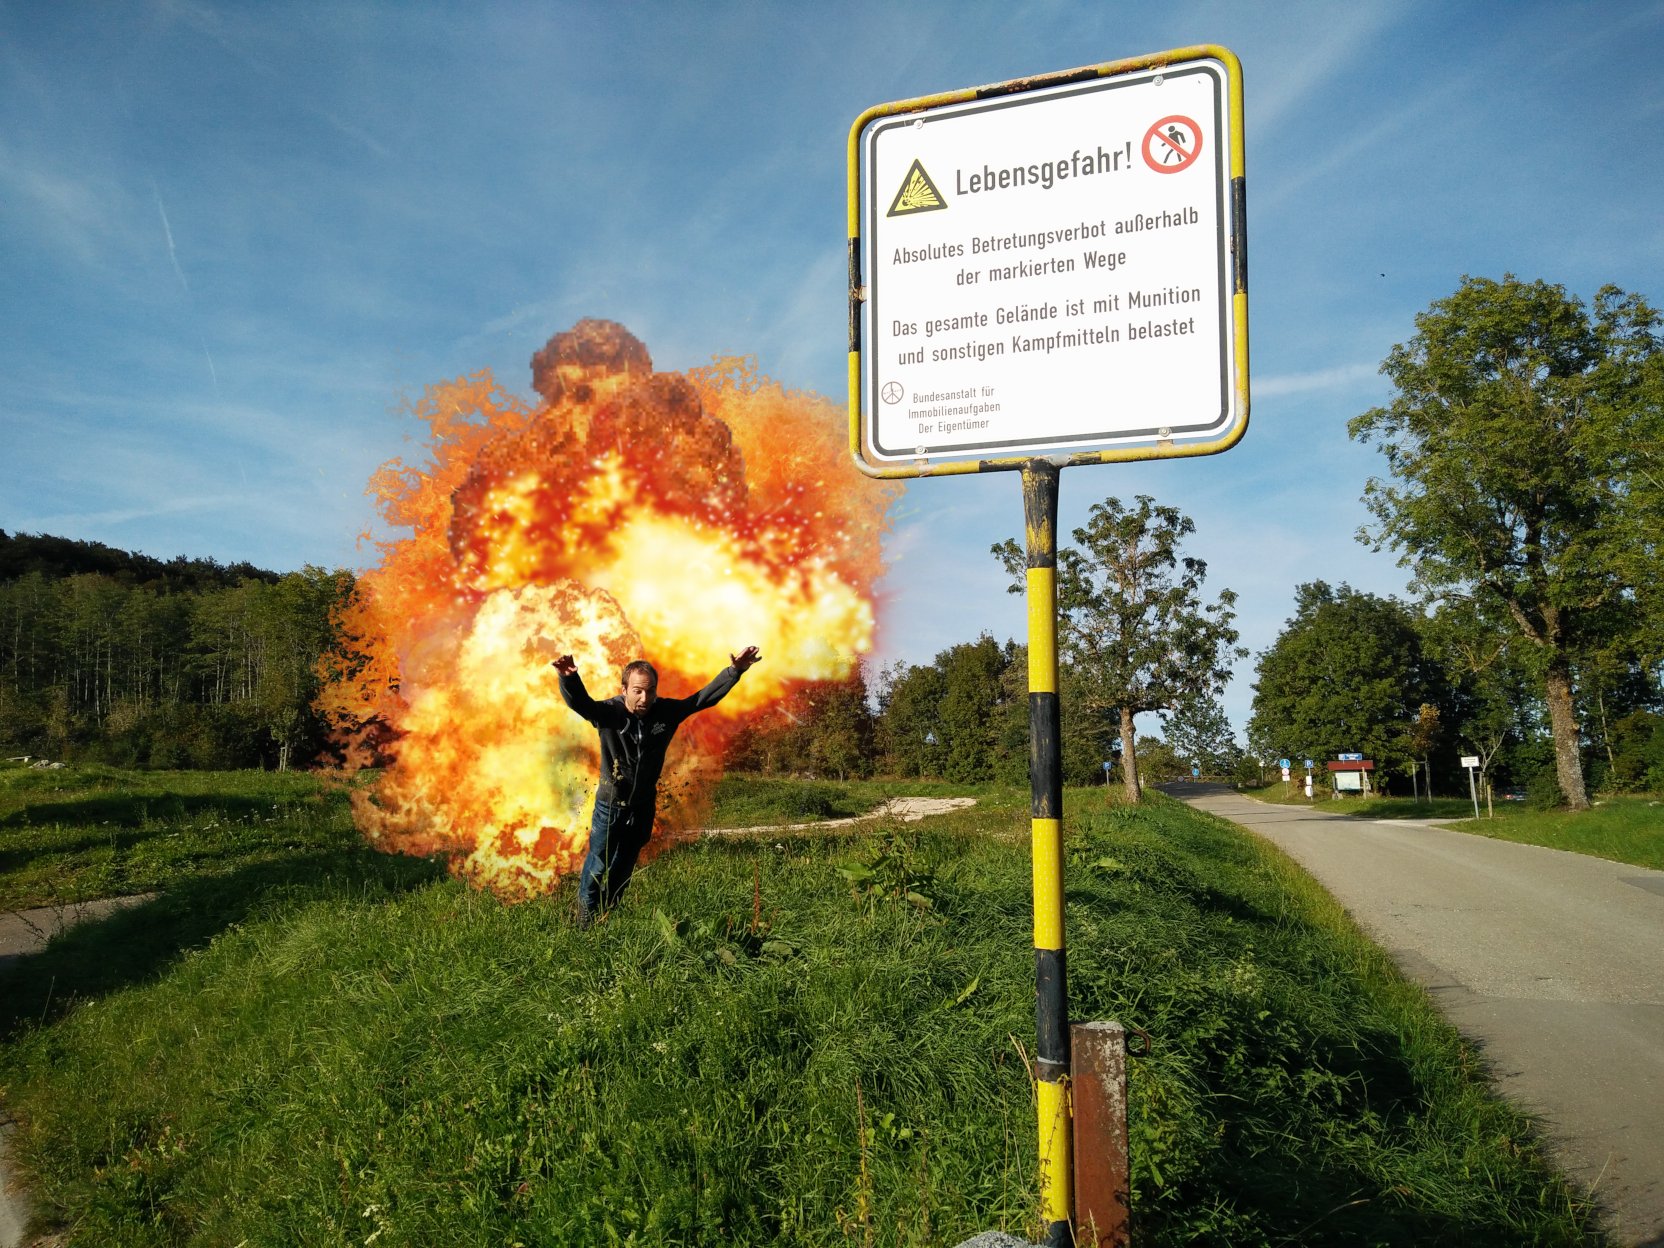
(1320,42)
(1343,376)
(80,213)
(67,522)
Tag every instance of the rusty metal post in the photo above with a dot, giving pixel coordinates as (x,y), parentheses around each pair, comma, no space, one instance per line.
(1098,1053)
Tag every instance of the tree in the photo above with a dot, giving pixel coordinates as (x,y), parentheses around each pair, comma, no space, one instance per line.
(1201,735)
(1131,619)
(1346,673)
(1157,761)
(908,698)
(1504,441)
(1480,655)
(842,726)
(968,716)
(950,719)
(293,624)
(1424,735)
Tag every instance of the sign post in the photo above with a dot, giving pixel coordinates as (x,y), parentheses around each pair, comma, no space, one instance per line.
(1043,273)
(1471,762)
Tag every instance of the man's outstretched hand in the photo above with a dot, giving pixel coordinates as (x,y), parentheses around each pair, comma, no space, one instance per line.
(745,658)
(565,666)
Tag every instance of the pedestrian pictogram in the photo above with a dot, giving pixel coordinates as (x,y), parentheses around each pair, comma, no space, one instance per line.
(917,194)
(892,392)
(1172,144)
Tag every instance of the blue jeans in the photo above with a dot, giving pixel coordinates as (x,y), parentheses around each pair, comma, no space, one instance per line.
(617,834)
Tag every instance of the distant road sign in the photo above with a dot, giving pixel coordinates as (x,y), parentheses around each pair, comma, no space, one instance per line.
(1470,760)
(1350,758)
(1051,265)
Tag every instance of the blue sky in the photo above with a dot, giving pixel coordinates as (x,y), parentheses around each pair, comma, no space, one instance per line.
(236,239)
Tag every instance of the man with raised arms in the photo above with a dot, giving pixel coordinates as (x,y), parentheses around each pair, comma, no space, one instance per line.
(635,729)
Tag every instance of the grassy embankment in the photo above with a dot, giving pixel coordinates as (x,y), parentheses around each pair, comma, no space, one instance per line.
(335,1047)
(1624,829)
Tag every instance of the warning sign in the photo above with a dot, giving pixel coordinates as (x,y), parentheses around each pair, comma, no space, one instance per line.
(917,194)
(1078,296)
(1172,144)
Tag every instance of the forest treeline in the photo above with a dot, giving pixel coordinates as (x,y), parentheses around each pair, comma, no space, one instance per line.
(112,657)
(961,717)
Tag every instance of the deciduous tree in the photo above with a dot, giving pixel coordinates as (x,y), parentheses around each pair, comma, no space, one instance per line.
(1201,735)
(1509,443)
(1492,690)
(1346,673)
(1131,617)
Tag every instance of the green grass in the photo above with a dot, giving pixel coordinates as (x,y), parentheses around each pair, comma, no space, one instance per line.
(1624,829)
(86,832)
(359,1052)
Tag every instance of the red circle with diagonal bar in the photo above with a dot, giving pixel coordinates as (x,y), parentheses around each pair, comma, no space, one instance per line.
(1157,136)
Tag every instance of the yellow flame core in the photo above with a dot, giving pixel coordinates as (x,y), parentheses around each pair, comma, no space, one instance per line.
(697,590)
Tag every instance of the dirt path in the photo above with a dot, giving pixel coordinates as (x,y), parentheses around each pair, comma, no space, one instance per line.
(907,809)
(23,932)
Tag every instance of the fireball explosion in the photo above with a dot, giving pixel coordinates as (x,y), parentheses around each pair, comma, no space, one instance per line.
(629,514)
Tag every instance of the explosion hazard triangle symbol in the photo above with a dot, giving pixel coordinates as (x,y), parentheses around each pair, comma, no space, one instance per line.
(917,194)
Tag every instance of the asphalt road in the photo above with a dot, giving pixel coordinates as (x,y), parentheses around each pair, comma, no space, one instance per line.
(1553,962)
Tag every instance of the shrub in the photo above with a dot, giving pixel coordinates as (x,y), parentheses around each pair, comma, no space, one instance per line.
(1542,792)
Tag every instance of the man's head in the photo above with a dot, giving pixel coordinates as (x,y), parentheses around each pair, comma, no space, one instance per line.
(641,687)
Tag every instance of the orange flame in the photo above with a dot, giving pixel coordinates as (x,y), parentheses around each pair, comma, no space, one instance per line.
(632,513)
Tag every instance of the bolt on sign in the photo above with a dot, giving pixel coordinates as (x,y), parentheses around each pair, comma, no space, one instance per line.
(1051,267)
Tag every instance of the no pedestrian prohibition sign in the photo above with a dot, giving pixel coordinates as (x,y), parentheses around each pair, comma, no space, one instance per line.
(1051,270)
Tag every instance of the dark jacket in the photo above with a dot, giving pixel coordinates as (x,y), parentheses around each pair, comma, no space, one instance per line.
(632,747)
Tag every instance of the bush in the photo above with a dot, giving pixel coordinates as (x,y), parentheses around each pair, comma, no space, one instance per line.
(1542,791)
(1637,744)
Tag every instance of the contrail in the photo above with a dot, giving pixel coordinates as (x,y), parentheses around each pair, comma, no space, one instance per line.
(173,252)
(173,255)
(212,371)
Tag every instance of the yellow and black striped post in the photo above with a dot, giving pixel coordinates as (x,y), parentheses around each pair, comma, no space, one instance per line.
(1045,774)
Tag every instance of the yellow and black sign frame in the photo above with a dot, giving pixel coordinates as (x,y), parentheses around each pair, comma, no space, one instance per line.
(1163,448)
